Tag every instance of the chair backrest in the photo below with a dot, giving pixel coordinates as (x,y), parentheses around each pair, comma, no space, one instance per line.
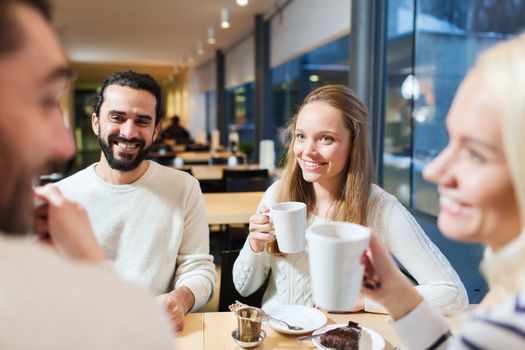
(218,161)
(224,161)
(248,180)
(247,184)
(195,147)
(168,161)
(227,293)
(229,173)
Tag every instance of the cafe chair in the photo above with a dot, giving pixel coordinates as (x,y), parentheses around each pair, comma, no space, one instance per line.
(253,180)
(227,293)
(167,161)
(197,147)
(218,161)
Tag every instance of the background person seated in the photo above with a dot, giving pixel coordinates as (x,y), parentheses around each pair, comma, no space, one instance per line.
(176,132)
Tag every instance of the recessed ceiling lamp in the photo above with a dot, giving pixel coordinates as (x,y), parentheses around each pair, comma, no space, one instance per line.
(211,36)
(225,18)
(200,48)
(314,78)
(241,3)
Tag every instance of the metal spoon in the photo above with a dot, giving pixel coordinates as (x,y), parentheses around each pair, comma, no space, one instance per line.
(290,327)
(309,337)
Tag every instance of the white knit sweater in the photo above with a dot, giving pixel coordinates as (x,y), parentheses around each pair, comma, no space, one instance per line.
(289,281)
(155,229)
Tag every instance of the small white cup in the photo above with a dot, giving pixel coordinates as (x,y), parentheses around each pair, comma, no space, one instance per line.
(178,162)
(232,161)
(289,222)
(334,253)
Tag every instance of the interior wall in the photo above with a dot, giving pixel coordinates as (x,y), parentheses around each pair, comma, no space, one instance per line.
(240,63)
(305,25)
(176,96)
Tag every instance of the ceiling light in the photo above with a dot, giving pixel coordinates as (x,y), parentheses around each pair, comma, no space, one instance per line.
(200,48)
(225,18)
(211,36)
(314,78)
(241,3)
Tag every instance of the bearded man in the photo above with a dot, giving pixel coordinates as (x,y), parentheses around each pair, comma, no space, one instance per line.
(149,219)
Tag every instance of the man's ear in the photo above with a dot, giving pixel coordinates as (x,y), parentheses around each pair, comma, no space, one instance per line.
(94,123)
(158,128)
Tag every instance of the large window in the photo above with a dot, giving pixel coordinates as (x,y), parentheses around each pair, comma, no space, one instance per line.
(431,45)
(88,150)
(239,113)
(293,80)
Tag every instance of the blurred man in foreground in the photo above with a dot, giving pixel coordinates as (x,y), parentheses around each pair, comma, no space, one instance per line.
(51,301)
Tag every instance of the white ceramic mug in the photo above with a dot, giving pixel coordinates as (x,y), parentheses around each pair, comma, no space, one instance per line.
(289,222)
(334,253)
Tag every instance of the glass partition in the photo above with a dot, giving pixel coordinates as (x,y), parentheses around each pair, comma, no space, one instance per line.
(293,80)
(431,45)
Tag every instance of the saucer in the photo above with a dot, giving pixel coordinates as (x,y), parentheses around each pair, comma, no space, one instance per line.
(298,315)
(248,344)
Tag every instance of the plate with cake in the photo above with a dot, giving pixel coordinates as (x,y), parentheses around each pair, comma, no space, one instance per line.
(306,317)
(349,336)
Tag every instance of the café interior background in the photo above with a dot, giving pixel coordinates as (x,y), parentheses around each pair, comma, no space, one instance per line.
(251,77)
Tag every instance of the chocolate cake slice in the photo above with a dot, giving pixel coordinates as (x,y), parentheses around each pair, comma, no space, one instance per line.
(342,338)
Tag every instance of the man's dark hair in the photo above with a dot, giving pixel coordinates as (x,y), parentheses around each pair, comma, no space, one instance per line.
(133,80)
(12,37)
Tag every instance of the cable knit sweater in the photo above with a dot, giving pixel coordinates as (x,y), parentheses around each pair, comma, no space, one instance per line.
(155,229)
(289,281)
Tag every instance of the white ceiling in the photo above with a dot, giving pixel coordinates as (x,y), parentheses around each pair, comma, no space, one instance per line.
(152,32)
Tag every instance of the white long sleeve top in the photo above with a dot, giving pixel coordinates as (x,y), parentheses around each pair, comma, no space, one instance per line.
(52,303)
(395,227)
(501,327)
(154,230)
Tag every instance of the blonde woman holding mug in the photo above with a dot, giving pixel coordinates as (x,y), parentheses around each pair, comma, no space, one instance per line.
(329,167)
(480,176)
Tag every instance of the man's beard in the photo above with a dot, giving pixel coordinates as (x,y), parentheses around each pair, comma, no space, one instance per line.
(16,193)
(16,209)
(127,162)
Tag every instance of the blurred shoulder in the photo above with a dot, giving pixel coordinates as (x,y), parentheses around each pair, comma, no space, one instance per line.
(48,293)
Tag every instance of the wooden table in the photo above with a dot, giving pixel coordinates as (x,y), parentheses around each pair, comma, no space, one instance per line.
(212,331)
(231,207)
(199,157)
(214,172)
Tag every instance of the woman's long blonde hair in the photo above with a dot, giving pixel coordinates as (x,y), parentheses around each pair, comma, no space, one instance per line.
(353,195)
(502,69)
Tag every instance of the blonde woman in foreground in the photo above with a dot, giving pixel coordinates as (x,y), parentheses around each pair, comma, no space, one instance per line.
(481,179)
(329,167)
